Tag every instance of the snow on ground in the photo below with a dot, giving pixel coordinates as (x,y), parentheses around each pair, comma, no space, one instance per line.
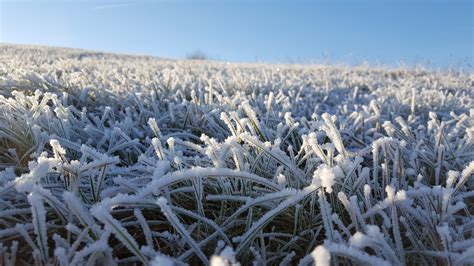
(112,159)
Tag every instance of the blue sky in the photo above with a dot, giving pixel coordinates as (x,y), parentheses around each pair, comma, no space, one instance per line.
(436,33)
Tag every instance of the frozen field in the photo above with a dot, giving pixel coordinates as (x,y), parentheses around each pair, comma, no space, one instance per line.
(111,159)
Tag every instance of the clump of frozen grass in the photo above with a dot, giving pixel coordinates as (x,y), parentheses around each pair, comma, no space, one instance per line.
(139,160)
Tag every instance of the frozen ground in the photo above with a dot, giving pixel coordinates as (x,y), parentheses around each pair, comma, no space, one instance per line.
(110,159)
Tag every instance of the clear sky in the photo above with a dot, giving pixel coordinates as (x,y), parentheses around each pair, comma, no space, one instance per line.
(438,32)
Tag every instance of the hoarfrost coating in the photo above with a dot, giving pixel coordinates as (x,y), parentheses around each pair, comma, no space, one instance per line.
(113,159)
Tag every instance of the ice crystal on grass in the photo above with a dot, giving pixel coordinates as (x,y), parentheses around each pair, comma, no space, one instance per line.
(138,160)
(321,256)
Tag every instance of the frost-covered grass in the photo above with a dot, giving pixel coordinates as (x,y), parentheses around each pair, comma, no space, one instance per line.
(108,159)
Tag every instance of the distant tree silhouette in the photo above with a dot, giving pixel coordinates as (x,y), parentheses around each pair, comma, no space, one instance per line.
(197,55)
